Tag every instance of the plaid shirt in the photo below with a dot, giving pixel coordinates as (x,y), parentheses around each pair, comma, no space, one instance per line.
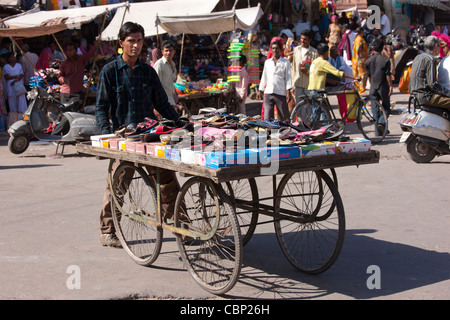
(423,72)
(129,95)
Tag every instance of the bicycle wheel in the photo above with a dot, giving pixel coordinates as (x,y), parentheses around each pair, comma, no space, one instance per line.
(310,222)
(244,192)
(372,120)
(214,258)
(313,115)
(133,205)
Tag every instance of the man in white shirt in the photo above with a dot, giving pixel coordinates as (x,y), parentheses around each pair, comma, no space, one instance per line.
(276,83)
(167,71)
(28,69)
(385,23)
(300,71)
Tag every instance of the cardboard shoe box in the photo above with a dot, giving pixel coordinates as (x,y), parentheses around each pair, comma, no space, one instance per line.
(319,149)
(354,145)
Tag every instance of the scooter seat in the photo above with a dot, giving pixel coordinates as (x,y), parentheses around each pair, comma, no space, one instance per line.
(90,109)
(445,113)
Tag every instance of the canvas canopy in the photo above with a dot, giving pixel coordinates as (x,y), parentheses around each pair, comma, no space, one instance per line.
(212,23)
(428,3)
(144,13)
(39,23)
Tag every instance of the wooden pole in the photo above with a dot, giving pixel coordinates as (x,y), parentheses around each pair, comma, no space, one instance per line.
(60,48)
(220,55)
(181,54)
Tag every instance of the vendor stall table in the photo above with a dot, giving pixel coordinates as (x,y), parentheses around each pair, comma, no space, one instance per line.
(213,219)
(196,101)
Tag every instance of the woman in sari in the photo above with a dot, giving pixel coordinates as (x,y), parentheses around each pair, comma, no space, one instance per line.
(359,57)
(334,32)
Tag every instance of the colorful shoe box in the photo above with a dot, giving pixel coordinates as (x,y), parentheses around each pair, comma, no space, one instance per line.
(268,154)
(173,154)
(354,145)
(156,149)
(200,158)
(319,149)
(141,147)
(131,145)
(220,159)
(123,145)
(102,141)
(188,156)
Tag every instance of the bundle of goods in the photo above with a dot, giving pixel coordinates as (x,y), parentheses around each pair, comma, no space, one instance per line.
(234,69)
(254,70)
(220,140)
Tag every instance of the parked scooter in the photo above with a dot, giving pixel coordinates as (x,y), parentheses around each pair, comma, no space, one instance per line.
(426,133)
(74,126)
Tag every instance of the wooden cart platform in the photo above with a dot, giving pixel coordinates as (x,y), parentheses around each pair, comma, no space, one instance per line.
(216,212)
(236,172)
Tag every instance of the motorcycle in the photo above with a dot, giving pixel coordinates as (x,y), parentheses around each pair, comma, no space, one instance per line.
(426,132)
(73,127)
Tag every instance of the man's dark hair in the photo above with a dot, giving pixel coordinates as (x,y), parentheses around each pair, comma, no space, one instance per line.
(322,48)
(307,33)
(71,44)
(168,44)
(128,28)
(278,43)
(378,45)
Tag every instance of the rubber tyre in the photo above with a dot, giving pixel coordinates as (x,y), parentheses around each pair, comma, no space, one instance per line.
(18,144)
(142,241)
(420,152)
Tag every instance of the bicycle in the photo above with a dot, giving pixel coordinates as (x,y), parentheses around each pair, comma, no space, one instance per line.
(315,111)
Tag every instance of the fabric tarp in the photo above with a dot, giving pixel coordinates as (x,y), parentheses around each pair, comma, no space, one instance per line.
(213,23)
(10,3)
(428,3)
(144,13)
(35,24)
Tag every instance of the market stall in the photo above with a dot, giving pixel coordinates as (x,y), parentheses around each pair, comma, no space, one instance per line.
(35,23)
(214,23)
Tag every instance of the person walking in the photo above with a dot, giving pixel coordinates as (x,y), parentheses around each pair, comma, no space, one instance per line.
(304,55)
(378,68)
(359,56)
(17,102)
(276,84)
(128,92)
(167,71)
(242,85)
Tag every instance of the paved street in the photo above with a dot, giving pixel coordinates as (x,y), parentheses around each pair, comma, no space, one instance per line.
(397,219)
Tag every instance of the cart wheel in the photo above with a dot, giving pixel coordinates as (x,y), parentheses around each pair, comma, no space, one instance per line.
(310,222)
(214,258)
(244,193)
(133,207)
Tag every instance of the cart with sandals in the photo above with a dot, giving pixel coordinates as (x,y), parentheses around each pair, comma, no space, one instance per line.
(219,206)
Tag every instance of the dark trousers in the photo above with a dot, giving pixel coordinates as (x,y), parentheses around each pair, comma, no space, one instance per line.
(382,93)
(272,100)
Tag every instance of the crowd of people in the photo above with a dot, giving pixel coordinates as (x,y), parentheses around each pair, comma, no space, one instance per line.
(19,64)
(334,51)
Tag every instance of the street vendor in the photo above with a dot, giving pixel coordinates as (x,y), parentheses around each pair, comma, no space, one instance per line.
(71,72)
(128,90)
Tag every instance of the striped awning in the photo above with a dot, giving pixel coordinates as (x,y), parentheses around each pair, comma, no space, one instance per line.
(428,3)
